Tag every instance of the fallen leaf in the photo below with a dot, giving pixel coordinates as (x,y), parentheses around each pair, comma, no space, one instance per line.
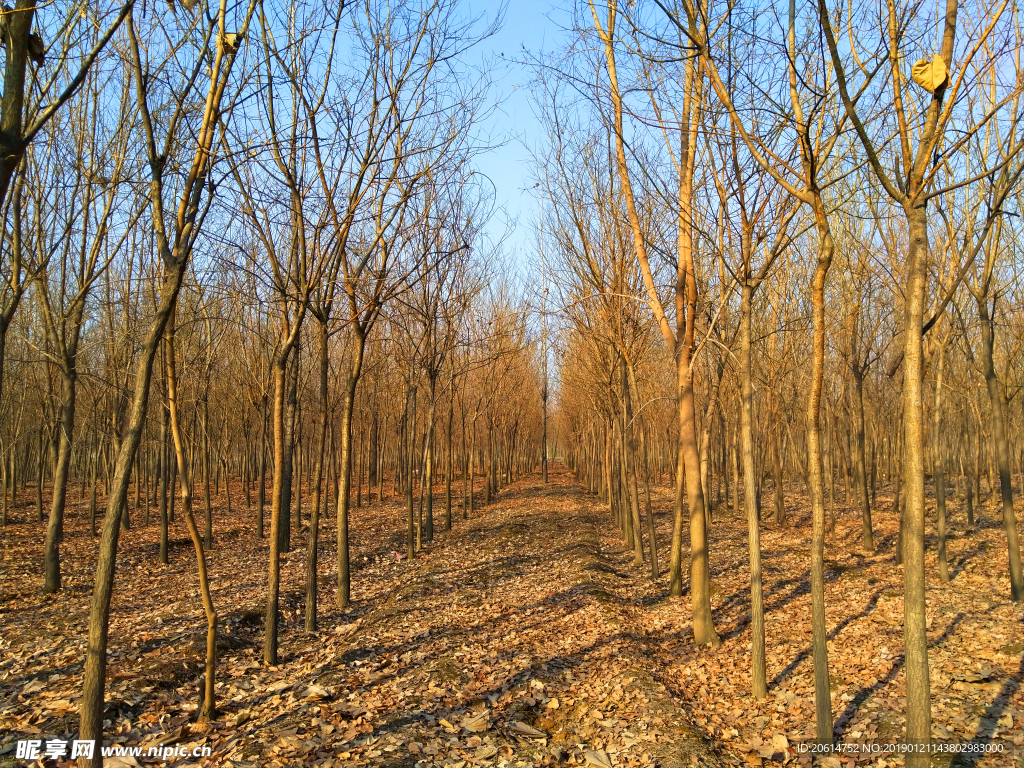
(523,729)
(476,723)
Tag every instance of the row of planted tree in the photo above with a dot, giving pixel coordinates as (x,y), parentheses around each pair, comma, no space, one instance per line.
(442,400)
(244,246)
(861,451)
(791,233)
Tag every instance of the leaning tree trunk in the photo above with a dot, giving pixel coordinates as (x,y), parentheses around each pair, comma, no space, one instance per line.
(208,709)
(175,258)
(94,675)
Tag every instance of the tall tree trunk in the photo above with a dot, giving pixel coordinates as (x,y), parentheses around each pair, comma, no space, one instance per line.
(470,468)
(777,474)
(345,470)
(651,536)
(322,454)
(631,508)
(915,628)
(175,480)
(208,533)
(489,464)
(861,475)
(705,438)
(997,401)
(280,382)
(758,667)
(165,476)
(92,492)
(449,460)
(407,456)
(288,451)
(544,411)
(819,630)
(284,379)
(40,473)
(938,462)
(700,572)
(428,469)
(261,495)
(968,478)
(138,483)
(374,448)
(55,527)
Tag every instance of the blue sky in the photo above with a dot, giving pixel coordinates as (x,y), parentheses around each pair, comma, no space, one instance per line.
(536,25)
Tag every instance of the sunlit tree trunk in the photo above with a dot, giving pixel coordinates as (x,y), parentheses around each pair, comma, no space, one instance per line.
(314,520)
(345,469)
(758,668)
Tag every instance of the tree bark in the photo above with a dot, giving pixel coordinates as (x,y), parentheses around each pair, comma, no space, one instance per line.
(208,708)
(861,475)
(629,465)
(938,462)
(997,401)
(94,676)
(758,666)
(819,631)
(55,527)
(428,469)
(915,630)
(280,371)
(314,519)
(345,470)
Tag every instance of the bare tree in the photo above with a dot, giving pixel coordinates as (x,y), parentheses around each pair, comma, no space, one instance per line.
(175,240)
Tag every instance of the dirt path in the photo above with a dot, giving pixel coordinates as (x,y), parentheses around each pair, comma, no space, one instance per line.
(508,645)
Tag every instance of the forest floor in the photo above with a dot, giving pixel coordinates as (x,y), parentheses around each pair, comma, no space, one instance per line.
(522,637)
